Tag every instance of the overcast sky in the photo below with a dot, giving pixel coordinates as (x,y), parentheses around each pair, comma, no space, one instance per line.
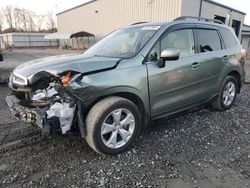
(42,6)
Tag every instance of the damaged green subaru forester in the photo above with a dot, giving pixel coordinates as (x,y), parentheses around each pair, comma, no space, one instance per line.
(146,71)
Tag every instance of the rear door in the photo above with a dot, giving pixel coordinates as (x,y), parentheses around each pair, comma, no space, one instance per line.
(213,57)
(234,48)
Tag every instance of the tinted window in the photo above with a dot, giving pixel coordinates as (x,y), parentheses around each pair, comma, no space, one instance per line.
(208,40)
(180,39)
(228,38)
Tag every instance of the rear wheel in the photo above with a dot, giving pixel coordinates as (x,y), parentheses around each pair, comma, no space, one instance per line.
(227,94)
(112,125)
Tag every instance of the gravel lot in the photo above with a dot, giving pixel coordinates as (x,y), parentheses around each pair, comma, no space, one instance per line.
(198,148)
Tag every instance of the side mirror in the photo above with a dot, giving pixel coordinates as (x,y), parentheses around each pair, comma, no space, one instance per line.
(169,54)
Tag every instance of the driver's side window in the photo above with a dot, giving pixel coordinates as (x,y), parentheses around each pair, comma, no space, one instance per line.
(179,39)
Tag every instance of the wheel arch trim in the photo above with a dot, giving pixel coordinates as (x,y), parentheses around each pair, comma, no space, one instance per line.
(132,94)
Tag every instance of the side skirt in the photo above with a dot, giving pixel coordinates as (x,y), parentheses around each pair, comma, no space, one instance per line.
(184,108)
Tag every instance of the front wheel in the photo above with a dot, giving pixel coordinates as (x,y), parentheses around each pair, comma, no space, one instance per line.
(227,94)
(112,125)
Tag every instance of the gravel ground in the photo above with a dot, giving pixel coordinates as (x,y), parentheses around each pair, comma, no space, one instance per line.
(198,148)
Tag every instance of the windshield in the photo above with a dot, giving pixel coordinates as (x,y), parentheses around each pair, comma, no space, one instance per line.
(123,43)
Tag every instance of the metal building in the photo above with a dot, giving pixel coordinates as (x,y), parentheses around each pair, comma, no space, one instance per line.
(100,17)
(245,40)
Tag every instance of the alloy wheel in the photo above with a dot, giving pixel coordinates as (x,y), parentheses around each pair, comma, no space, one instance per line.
(117,128)
(229,93)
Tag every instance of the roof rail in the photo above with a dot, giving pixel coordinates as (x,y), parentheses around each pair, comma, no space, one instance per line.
(198,18)
(138,23)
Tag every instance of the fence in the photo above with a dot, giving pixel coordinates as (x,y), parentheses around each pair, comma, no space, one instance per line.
(28,40)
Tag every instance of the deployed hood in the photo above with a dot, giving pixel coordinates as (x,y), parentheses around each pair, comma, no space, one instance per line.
(57,64)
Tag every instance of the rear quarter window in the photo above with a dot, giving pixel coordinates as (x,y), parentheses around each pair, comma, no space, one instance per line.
(228,38)
(208,40)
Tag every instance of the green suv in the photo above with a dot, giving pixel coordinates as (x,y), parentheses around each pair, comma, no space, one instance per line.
(146,71)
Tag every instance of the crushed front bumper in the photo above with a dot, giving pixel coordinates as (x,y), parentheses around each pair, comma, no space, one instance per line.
(35,116)
(38,116)
(20,112)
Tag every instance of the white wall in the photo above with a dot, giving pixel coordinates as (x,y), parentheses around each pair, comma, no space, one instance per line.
(246,42)
(103,16)
(190,7)
(114,14)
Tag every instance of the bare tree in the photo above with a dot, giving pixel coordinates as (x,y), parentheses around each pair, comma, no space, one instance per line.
(24,19)
(17,18)
(51,24)
(1,20)
(21,19)
(31,21)
(39,21)
(8,12)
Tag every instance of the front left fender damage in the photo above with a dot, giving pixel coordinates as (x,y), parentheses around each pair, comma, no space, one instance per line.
(48,104)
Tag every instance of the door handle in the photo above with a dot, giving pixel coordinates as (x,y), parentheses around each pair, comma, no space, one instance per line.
(195,65)
(225,58)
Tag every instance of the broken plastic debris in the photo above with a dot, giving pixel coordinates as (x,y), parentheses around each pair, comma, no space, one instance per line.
(65,114)
(60,110)
(51,92)
(65,124)
(40,94)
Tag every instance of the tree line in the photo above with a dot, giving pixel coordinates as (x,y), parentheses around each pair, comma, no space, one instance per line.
(14,19)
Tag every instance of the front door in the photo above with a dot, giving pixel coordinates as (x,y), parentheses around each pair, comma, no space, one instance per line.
(178,83)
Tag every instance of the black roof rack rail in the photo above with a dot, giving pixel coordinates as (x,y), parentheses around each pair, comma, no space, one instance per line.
(138,23)
(198,18)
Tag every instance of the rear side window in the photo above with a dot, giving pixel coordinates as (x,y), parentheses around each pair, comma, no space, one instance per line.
(208,40)
(228,38)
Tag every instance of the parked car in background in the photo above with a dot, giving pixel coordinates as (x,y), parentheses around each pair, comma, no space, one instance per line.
(134,75)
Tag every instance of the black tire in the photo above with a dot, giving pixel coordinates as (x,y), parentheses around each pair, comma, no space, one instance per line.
(218,103)
(96,117)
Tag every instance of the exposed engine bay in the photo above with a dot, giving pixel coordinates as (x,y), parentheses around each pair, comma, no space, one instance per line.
(48,92)
(48,104)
